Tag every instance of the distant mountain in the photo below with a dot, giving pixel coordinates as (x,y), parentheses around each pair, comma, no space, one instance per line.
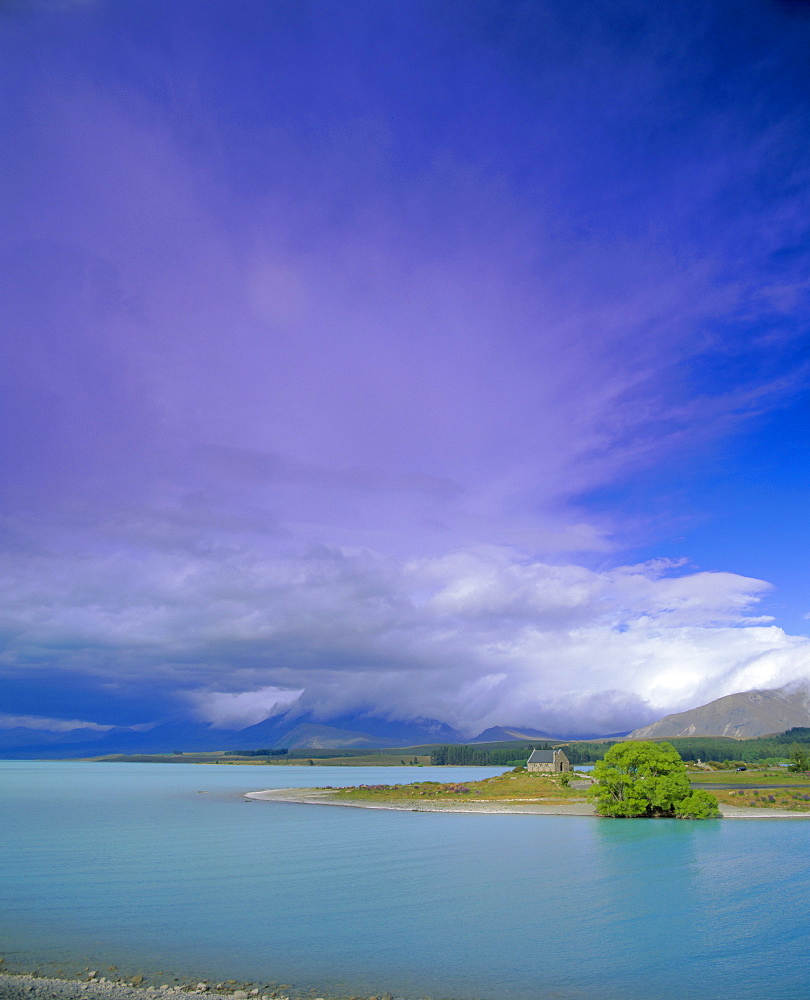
(326,738)
(277,732)
(742,716)
(500,734)
(22,736)
(280,731)
(92,743)
(377,732)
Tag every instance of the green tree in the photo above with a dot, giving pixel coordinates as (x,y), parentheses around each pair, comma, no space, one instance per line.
(799,758)
(642,779)
(699,804)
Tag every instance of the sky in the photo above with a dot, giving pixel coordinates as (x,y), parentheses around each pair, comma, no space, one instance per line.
(426,359)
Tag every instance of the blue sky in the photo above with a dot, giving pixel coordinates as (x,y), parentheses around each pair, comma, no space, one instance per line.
(423,359)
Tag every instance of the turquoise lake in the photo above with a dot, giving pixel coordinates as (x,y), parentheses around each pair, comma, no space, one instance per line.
(166,867)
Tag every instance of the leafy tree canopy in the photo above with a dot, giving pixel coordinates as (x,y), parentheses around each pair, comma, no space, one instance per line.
(699,804)
(799,758)
(646,779)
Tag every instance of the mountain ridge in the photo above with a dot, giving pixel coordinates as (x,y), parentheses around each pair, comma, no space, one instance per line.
(744,715)
(501,733)
(276,732)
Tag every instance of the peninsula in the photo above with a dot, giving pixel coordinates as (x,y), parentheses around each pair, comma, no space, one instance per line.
(519,792)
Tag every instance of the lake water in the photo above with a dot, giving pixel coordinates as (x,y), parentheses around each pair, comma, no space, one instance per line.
(130,864)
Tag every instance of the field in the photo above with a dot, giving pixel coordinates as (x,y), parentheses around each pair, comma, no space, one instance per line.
(766,788)
(750,778)
(793,800)
(377,759)
(525,788)
(381,759)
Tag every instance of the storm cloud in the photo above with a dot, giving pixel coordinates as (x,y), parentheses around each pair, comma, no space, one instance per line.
(476,638)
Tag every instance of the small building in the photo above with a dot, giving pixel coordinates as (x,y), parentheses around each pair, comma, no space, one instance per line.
(548,760)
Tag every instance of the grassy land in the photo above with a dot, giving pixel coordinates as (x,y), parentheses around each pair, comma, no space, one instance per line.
(752,778)
(524,788)
(791,799)
(539,789)
(756,794)
(211,757)
(377,759)
(380,759)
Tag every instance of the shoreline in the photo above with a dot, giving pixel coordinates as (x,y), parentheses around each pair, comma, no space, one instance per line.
(324,797)
(22,984)
(319,797)
(28,986)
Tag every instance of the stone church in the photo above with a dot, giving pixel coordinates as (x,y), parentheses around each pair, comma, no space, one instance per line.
(548,760)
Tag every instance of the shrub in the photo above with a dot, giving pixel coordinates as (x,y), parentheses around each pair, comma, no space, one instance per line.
(698,805)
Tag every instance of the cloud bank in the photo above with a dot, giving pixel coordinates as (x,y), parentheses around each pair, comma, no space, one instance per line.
(475,638)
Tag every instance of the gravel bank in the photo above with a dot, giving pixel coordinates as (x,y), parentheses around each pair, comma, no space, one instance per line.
(26,987)
(740,812)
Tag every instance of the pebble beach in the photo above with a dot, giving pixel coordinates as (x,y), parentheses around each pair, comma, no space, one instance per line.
(90,986)
(29,987)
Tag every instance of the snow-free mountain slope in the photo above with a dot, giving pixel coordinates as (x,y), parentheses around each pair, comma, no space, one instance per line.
(742,716)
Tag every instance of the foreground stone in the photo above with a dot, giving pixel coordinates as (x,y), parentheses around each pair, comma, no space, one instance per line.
(95,987)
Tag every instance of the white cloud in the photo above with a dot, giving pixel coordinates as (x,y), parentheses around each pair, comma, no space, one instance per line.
(475,638)
(228,710)
(9,721)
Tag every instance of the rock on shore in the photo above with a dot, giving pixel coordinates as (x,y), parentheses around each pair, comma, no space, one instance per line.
(25,987)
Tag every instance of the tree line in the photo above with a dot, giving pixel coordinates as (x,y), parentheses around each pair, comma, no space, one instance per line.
(793,744)
(465,753)
(752,751)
